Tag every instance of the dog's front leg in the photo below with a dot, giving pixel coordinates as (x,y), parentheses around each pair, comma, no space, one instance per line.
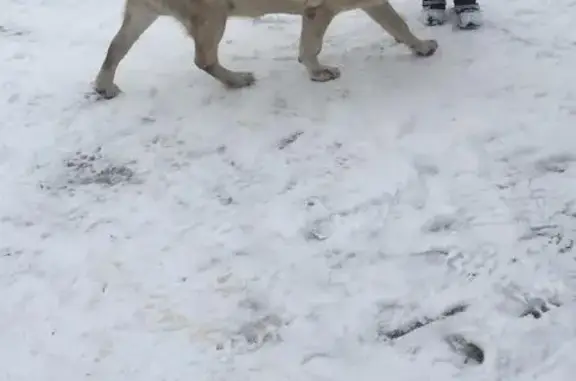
(207,28)
(315,22)
(137,19)
(386,16)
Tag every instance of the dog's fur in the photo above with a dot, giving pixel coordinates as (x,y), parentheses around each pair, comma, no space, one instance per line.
(205,21)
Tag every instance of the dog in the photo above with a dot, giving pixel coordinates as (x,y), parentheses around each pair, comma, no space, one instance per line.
(205,22)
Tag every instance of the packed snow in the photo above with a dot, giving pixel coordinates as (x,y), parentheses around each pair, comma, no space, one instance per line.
(413,220)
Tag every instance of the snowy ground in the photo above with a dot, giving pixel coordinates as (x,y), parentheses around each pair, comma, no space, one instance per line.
(293,230)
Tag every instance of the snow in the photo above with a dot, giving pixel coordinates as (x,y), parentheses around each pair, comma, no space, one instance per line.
(186,232)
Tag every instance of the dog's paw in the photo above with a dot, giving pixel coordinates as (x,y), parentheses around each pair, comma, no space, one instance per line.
(238,80)
(324,74)
(107,92)
(426,48)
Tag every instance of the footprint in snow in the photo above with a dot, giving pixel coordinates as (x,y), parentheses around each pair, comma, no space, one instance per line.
(442,223)
(555,163)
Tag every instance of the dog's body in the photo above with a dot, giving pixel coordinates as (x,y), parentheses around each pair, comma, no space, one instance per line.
(205,21)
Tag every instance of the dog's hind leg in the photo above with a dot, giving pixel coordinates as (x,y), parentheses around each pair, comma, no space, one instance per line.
(315,22)
(207,28)
(387,17)
(137,18)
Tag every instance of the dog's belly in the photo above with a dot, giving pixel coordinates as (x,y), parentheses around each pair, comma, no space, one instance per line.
(346,5)
(256,8)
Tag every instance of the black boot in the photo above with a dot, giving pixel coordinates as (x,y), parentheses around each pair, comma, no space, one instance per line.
(468,14)
(434,12)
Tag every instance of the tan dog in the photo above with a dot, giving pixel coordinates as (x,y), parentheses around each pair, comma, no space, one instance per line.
(205,21)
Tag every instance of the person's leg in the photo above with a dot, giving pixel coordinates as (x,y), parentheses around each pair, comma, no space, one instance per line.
(468,14)
(434,12)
